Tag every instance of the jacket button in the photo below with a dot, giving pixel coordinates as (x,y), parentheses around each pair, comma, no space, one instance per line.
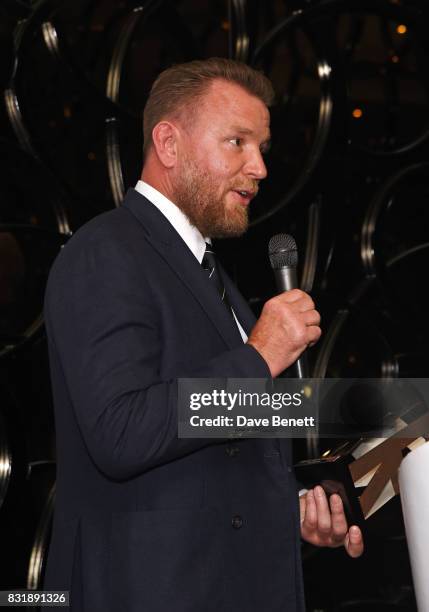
(237,521)
(232,451)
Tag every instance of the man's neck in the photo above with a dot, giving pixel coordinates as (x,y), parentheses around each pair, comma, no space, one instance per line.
(158,179)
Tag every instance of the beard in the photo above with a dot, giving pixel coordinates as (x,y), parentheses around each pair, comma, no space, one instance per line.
(197,195)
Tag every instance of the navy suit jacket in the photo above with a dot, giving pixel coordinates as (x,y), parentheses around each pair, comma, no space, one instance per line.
(145,521)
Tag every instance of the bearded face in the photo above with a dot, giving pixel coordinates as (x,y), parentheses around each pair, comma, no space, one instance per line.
(219,162)
(207,206)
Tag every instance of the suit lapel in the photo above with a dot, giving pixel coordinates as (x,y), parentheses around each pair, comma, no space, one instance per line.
(241,308)
(168,243)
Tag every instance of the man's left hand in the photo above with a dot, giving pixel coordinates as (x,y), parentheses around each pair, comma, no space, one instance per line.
(324,523)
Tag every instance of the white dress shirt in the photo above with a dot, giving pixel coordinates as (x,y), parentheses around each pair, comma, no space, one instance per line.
(190,235)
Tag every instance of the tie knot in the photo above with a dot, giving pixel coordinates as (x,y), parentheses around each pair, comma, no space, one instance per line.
(209,260)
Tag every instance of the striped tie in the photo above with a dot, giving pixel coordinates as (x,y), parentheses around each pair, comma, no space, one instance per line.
(210,265)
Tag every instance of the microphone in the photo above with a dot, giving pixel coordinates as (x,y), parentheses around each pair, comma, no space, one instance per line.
(283,255)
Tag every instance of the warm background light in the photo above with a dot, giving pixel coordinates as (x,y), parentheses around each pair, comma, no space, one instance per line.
(357,113)
(401,29)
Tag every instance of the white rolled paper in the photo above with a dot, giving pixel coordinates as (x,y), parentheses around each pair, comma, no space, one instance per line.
(414,488)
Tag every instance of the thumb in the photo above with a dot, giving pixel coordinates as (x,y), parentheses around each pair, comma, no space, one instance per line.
(353,542)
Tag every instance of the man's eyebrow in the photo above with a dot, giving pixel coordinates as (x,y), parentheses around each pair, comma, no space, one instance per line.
(241,130)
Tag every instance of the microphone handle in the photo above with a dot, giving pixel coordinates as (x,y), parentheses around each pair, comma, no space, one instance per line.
(301,366)
(286,279)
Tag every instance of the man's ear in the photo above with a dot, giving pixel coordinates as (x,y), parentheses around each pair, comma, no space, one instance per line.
(164,138)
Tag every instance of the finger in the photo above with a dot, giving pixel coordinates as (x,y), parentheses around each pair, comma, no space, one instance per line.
(310,518)
(323,511)
(302,505)
(293,295)
(313,334)
(297,300)
(354,542)
(303,304)
(311,317)
(338,518)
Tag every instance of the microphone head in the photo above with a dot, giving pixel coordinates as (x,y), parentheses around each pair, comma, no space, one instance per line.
(282,251)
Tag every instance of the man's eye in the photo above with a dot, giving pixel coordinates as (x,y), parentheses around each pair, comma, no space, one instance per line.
(236,141)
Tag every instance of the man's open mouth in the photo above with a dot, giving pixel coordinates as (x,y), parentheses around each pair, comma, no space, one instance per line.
(246,195)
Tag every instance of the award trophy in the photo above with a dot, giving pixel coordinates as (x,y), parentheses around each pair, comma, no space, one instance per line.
(364,470)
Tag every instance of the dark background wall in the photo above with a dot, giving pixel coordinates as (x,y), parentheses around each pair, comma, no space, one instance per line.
(348,177)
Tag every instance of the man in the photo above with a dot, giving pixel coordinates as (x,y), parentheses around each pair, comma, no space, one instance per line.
(145,521)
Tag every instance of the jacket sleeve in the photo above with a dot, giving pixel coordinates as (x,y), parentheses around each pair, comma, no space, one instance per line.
(104,330)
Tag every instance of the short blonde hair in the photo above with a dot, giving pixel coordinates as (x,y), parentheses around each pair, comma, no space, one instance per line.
(184,84)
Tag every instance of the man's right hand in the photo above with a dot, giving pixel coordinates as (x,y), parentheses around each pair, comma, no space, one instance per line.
(288,324)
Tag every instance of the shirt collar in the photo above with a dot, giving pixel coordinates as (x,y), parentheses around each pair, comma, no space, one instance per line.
(188,232)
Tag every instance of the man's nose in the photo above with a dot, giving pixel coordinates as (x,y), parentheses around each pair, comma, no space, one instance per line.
(255,165)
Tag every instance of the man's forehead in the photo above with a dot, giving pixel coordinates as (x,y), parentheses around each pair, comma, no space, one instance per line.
(229,91)
(236,105)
